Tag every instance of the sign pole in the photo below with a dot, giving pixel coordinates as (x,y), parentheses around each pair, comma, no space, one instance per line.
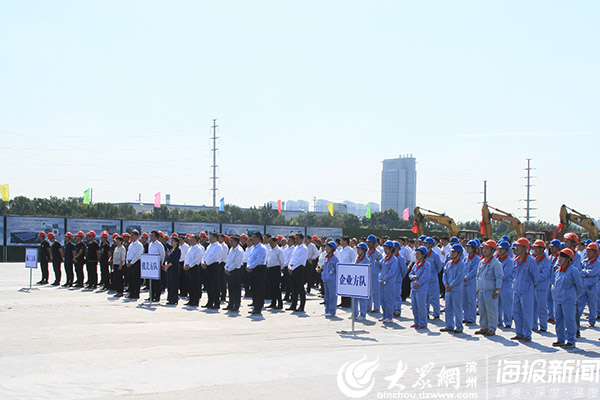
(31,264)
(353,280)
(30,278)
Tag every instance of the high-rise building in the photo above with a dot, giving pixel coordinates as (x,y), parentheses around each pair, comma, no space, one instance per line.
(399,184)
(296,205)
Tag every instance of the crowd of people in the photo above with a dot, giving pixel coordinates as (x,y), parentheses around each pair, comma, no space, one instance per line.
(526,284)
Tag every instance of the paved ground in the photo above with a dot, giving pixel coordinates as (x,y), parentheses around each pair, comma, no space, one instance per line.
(71,344)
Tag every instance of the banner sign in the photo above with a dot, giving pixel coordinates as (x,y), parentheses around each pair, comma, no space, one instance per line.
(147,226)
(97,225)
(196,227)
(353,280)
(333,233)
(24,231)
(284,230)
(150,265)
(2,231)
(31,257)
(237,229)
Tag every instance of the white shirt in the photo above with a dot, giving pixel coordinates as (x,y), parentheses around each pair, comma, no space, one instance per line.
(275,257)
(347,255)
(288,255)
(157,247)
(248,253)
(224,252)
(299,256)
(184,250)
(118,257)
(213,253)
(135,251)
(235,258)
(194,256)
(313,252)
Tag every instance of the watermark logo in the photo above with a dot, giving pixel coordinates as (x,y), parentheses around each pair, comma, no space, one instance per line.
(355,379)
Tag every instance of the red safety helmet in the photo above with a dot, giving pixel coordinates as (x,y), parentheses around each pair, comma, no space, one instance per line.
(104,234)
(568,252)
(523,242)
(592,246)
(51,235)
(572,237)
(539,243)
(91,233)
(490,243)
(42,234)
(69,235)
(126,235)
(145,235)
(80,233)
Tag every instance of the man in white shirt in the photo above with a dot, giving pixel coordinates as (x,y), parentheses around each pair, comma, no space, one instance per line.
(192,268)
(156,247)
(258,272)
(311,262)
(223,240)
(134,253)
(297,270)
(233,271)
(287,280)
(184,247)
(275,262)
(212,258)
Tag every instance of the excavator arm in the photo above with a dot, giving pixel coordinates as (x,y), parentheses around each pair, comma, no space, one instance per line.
(502,217)
(568,215)
(436,218)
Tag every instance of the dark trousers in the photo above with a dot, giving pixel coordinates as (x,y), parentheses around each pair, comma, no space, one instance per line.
(69,271)
(298,278)
(135,279)
(45,271)
(286,284)
(310,274)
(163,279)
(274,279)
(173,283)
(183,289)
(79,273)
(441,282)
(57,272)
(92,271)
(194,285)
(234,285)
(117,279)
(212,278)
(222,282)
(258,276)
(246,281)
(156,289)
(406,287)
(104,274)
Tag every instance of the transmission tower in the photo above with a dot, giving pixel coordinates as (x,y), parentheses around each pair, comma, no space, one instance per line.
(528,200)
(214,166)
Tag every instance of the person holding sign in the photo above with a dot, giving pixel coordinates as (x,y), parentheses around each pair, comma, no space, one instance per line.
(387,281)
(328,275)
(156,247)
(363,304)
(420,276)
(171,266)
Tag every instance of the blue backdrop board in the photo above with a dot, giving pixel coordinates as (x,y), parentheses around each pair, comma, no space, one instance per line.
(284,230)
(24,231)
(320,231)
(147,226)
(97,225)
(196,227)
(1,231)
(237,229)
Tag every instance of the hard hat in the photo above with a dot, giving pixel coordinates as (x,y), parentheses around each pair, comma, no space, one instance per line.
(423,250)
(458,248)
(135,232)
(453,240)
(51,235)
(572,237)
(505,238)
(569,253)
(371,238)
(332,244)
(562,245)
(504,244)
(104,234)
(478,241)
(396,244)
(523,242)
(145,235)
(490,243)
(388,243)
(314,237)
(80,233)
(591,246)
(422,237)
(362,246)
(42,234)
(69,235)
(472,243)
(429,240)
(555,243)
(174,235)
(539,243)
(588,241)
(127,235)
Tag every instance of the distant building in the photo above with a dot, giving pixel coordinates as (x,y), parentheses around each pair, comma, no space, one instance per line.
(374,207)
(399,184)
(274,205)
(296,205)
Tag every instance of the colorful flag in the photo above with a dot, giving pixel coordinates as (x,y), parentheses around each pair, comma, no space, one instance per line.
(4,192)
(222,204)
(482,224)
(157,200)
(415,228)
(405,215)
(87,196)
(279,206)
(559,227)
(330,208)
(368,214)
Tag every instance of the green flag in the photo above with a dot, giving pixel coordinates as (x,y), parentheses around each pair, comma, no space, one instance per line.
(368,215)
(86,196)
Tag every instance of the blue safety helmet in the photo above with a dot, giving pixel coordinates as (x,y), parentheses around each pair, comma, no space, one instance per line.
(504,244)
(598,242)
(473,243)
(388,243)
(477,241)
(371,238)
(332,244)
(429,240)
(396,244)
(422,238)
(458,248)
(555,243)
(423,250)
(505,238)
(453,240)
(562,245)
(362,246)
(588,241)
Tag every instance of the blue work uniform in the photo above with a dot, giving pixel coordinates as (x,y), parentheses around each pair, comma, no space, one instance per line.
(589,295)
(489,278)
(402,270)
(470,289)
(389,270)
(375,258)
(433,291)
(362,305)
(540,293)
(555,266)
(418,295)
(526,276)
(567,284)
(454,276)
(505,300)
(328,275)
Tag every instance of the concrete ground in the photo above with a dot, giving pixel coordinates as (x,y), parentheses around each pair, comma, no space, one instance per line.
(58,343)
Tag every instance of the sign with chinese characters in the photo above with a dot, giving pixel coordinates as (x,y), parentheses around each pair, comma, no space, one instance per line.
(150,265)
(353,280)
(31,257)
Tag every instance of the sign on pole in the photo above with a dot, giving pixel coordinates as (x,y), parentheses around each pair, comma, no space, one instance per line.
(150,265)
(31,258)
(354,280)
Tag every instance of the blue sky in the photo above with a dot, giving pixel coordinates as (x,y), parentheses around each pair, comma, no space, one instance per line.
(310,96)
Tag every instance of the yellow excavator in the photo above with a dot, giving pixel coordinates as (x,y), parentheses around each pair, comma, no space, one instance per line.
(568,215)
(436,218)
(502,217)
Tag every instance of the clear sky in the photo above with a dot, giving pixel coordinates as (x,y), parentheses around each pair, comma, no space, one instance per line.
(310,96)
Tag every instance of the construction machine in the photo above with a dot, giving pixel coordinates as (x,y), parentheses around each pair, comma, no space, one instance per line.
(502,217)
(568,215)
(436,218)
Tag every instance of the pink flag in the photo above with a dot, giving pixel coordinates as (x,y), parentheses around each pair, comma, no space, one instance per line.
(279,206)
(405,214)
(157,200)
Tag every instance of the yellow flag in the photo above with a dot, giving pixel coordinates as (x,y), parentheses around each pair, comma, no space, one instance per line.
(4,192)
(330,208)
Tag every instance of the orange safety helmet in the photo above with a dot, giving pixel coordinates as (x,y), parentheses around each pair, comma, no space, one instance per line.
(490,243)
(523,242)
(572,237)
(539,243)
(592,246)
(569,253)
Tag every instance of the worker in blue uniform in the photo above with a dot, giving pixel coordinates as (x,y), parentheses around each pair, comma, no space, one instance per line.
(420,275)
(553,256)
(470,284)
(526,276)
(505,300)
(567,285)
(433,291)
(489,282)
(387,281)
(571,241)
(453,278)
(362,305)
(590,272)
(401,273)
(375,259)
(328,276)
(540,290)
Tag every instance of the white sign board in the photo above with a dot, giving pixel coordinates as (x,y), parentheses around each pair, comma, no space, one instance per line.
(333,233)
(31,258)
(284,230)
(353,280)
(150,265)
